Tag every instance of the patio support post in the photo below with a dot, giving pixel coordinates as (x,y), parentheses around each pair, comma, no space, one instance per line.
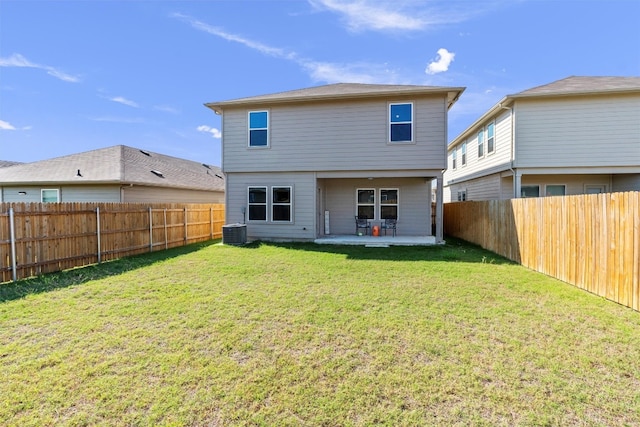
(439,224)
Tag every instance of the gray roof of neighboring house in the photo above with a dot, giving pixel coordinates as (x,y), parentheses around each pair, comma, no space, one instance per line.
(119,164)
(339,91)
(7,163)
(569,86)
(577,85)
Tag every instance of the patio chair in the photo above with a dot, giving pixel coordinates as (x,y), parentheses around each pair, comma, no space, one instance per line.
(389,224)
(362,223)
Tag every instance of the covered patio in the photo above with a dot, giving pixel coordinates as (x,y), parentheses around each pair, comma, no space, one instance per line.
(377,241)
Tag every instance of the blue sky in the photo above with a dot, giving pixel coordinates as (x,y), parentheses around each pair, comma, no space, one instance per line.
(81,75)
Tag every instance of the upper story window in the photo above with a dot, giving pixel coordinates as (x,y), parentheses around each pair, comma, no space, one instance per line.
(464,153)
(481,143)
(401,122)
(50,195)
(258,129)
(491,146)
(454,158)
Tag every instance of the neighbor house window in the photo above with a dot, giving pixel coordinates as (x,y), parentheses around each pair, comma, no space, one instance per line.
(530,191)
(281,204)
(257,203)
(491,146)
(388,203)
(481,143)
(555,190)
(401,122)
(462,195)
(464,153)
(258,129)
(366,202)
(50,195)
(454,158)
(595,189)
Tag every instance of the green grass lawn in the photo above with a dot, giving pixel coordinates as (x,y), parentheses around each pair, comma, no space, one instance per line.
(307,335)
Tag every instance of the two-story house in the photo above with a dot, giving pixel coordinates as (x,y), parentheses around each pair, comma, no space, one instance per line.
(304,163)
(577,135)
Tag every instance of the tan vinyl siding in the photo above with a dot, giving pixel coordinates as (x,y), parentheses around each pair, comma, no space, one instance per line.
(302,227)
(143,194)
(501,154)
(337,136)
(575,184)
(414,210)
(579,131)
(626,182)
(87,193)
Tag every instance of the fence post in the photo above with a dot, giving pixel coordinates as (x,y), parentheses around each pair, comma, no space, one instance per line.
(210,222)
(98,234)
(186,238)
(150,230)
(166,237)
(12,228)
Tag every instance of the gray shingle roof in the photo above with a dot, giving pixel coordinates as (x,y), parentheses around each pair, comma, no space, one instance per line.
(339,91)
(7,163)
(576,85)
(118,164)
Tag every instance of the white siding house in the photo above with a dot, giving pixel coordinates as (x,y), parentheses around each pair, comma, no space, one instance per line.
(573,136)
(302,164)
(114,174)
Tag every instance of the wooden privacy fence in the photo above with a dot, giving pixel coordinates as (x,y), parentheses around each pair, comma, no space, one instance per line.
(37,238)
(590,241)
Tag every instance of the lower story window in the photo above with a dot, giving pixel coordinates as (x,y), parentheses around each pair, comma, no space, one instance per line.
(366,203)
(389,203)
(50,195)
(281,204)
(257,203)
(530,191)
(555,190)
(462,195)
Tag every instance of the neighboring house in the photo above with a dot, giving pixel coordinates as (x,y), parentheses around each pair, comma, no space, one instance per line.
(302,164)
(6,163)
(114,174)
(573,136)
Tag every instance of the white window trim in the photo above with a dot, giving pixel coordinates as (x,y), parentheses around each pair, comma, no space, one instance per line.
(249,129)
(529,185)
(57,190)
(462,195)
(463,154)
(412,141)
(487,152)
(266,204)
(375,195)
(454,158)
(397,204)
(555,185)
(272,204)
(599,186)
(481,143)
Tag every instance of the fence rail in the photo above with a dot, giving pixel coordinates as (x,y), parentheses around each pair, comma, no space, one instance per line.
(590,241)
(37,238)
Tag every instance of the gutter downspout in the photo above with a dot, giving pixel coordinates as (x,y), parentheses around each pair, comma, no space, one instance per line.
(512,154)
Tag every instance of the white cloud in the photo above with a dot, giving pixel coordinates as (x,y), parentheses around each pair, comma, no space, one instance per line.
(441,63)
(213,131)
(124,101)
(17,60)
(364,14)
(318,70)
(6,125)
(260,47)
(166,109)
